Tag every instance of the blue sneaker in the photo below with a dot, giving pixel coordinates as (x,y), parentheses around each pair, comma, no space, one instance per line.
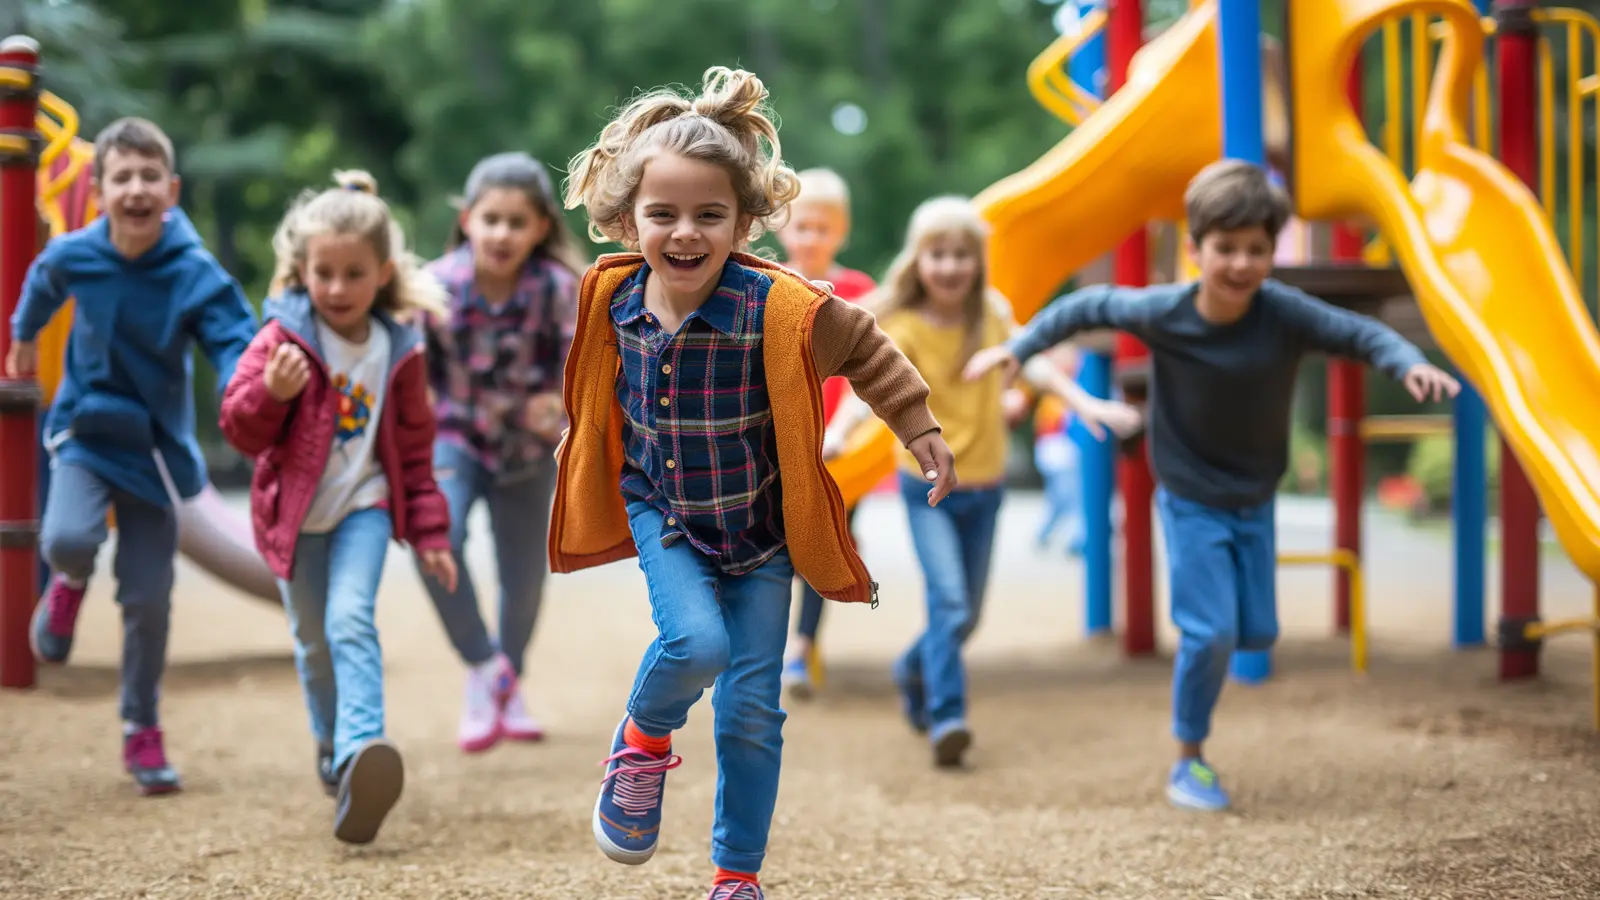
(913,702)
(1193,784)
(627,816)
(796,678)
(950,741)
(55,620)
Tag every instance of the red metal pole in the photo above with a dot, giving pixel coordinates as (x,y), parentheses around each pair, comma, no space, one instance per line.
(1125,34)
(1519,506)
(1347,404)
(19,163)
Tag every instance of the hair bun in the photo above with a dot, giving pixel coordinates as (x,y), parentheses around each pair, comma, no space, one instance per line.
(356,180)
(729,95)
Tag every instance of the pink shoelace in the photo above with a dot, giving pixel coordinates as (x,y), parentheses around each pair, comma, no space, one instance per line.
(64,602)
(144,749)
(638,778)
(736,890)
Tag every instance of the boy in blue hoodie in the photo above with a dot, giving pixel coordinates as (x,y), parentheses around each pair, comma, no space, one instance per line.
(1225,353)
(121,430)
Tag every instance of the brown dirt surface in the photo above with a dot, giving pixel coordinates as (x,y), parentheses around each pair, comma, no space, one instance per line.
(1425,779)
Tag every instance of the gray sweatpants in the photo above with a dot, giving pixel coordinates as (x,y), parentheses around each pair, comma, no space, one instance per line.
(74,527)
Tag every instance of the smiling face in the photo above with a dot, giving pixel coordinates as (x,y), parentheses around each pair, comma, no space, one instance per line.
(947,269)
(135,190)
(343,275)
(685,221)
(1233,263)
(504,226)
(812,237)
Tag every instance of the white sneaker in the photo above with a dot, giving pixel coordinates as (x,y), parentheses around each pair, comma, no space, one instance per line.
(480,712)
(515,722)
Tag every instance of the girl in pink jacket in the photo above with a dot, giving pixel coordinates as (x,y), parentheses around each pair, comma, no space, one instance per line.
(331,401)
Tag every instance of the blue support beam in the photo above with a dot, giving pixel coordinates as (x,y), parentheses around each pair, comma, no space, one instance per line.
(1097,470)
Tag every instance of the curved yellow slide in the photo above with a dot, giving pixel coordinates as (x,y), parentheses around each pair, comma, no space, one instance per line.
(1481,257)
(1125,165)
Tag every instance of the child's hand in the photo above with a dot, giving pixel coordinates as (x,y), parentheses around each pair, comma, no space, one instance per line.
(22,360)
(938,464)
(833,444)
(1425,382)
(441,564)
(1014,403)
(988,358)
(1099,415)
(287,372)
(543,414)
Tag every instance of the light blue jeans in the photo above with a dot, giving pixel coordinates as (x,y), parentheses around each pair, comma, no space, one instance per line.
(519,519)
(1223,568)
(954,542)
(728,631)
(331,602)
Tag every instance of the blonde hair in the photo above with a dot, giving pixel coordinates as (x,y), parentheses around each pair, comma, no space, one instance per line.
(727,125)
(823,187)
(354,208)
(901,288)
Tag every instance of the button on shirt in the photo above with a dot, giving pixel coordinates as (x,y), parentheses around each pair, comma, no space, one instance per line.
(697,426)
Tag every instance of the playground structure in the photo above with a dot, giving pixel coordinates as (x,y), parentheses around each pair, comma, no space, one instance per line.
(45,171)
(1475,247)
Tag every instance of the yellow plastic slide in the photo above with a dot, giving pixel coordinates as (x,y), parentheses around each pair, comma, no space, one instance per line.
(1125,165)
(1481,257)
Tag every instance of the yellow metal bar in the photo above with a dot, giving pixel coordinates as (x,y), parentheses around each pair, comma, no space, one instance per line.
(1396,428)
(1547,130)
(15,78)
(1421,72)
(1067,101)
(1351,564)
(1574,157)
(51,106)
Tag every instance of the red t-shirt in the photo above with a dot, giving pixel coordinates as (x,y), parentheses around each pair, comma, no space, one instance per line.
(848,284)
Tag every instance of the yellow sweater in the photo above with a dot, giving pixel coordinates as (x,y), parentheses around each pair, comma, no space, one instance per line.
(970,413)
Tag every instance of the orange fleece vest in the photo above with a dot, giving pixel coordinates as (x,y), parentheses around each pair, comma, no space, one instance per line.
(589,522)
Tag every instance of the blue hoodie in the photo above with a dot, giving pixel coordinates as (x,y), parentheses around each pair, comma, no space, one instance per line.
(125,406)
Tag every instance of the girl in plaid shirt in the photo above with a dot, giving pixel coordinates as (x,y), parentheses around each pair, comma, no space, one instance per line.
(694,390)
(494,368)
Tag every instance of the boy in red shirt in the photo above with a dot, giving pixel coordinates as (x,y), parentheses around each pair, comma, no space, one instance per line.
(819,223)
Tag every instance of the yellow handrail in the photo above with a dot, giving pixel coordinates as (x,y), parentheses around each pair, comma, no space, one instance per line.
(1351,564)
(1048,79)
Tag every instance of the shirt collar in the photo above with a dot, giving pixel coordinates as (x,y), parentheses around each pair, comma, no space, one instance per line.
(720,311)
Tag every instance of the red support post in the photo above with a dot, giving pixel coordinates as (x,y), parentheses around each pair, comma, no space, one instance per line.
(1519,152)
(1125,35)
(19,164)
(1347,405)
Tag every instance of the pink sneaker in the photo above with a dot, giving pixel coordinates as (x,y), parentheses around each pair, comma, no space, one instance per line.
(515,722)
(55,620)
(144,756)
(480,713)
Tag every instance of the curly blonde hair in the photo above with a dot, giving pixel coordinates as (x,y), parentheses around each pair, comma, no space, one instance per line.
(354,208)
(727,125)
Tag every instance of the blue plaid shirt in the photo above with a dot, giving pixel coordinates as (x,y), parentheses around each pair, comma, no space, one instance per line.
(697,427)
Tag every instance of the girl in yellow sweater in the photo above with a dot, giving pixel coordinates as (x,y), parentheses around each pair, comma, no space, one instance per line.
(935,303)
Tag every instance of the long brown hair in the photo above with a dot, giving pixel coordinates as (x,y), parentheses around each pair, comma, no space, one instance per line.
(518,171)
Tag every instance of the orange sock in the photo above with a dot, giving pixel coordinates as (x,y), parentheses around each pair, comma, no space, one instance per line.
(725,875)
(633,737)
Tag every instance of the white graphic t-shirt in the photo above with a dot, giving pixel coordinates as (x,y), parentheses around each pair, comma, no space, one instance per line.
(354,478)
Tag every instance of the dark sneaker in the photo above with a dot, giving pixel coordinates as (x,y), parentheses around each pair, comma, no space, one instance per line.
(950,742)
(54,621)
(368,788)
(627,816)
(145,758)
(325,771)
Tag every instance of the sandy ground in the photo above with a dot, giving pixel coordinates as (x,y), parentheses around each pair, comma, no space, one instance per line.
(1425,779)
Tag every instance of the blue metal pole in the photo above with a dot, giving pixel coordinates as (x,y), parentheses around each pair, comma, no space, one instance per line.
(1469,503)
(1239,30)
(1097,470)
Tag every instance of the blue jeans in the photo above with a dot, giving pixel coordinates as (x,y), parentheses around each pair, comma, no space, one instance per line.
(331,601)
(954,543)
(74,527)
(1060,465)
(724,630)
(1222,565)
(519,519)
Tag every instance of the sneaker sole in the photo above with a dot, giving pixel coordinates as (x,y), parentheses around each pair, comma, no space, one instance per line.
(482,744)
(158,790)
(1185,800)
(377,776)
(950,747)
(531,736)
